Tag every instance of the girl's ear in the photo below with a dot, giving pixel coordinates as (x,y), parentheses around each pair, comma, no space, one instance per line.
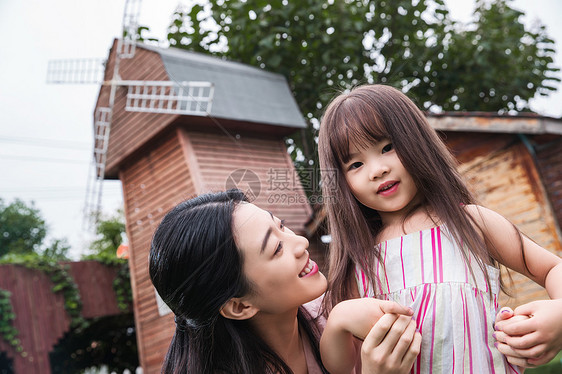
(238,309)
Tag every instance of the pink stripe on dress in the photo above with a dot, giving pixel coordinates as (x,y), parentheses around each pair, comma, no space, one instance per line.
(421,255)
(402,261)
(385,268)
(440,254)
(486,336)
(434,315)
(433,251)
(467,330)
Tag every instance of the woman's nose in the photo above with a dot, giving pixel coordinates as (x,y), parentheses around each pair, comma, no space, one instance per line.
(301,245)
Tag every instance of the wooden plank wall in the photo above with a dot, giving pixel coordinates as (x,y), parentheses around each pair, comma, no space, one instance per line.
(281,192)
(94,281)
(503,177)
(549,160)
(130,130)
(152,185)
(40,315)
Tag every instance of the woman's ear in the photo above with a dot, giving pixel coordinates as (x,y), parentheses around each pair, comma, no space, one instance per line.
(238,309)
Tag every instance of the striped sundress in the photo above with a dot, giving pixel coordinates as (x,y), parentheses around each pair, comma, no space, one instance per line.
(454,313)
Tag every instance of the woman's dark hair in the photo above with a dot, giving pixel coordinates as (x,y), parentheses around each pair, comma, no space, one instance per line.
(196,268)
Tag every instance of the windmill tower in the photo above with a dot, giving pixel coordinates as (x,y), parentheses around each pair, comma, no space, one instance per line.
(172,124)
(163,156)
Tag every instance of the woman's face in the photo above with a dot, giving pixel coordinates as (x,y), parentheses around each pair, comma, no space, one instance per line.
(276,261)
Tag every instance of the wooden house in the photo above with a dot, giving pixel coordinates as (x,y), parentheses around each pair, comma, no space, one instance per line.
(165,158)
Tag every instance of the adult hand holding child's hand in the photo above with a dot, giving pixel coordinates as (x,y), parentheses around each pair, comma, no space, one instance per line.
(532,334)
(390,341)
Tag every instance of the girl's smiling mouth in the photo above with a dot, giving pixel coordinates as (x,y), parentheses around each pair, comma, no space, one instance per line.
(388,188)
(309,269)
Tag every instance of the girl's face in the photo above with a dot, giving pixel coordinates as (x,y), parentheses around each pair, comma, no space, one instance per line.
(276,261)
(378,179)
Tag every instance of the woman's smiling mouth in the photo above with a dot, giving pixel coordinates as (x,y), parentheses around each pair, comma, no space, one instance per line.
(309,269)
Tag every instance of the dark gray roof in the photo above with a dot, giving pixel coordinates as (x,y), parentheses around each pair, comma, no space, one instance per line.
(242,92)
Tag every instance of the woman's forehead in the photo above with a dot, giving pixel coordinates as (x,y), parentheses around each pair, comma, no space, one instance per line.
(250,222)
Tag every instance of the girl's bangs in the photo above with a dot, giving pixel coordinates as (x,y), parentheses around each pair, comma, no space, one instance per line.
(358,124)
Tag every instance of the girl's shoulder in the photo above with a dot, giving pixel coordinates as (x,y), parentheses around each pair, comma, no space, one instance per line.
(486,220)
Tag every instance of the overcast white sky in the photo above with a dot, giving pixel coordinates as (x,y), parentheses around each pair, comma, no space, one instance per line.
(46,130)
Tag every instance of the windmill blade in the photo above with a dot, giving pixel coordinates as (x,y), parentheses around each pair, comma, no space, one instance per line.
(186,98)
(76,71)
(94,190)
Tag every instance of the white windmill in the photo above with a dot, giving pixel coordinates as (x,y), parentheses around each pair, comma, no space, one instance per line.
(171,97)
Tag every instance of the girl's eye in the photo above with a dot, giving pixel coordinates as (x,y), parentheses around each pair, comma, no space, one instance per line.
(355,165)
(282,224)
(387,148)
(278,249)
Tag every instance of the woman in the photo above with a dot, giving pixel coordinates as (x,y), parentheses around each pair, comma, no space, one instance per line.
(236,280)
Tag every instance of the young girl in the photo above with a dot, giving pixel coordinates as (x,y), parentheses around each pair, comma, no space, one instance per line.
(236,279)
(404,227)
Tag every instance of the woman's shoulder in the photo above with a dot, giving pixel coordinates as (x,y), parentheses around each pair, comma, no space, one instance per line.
(314,310)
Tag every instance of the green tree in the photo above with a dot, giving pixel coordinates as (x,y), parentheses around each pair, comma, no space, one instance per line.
(22,229)
(110,232)
(322,46)
(495,64)
(319,46)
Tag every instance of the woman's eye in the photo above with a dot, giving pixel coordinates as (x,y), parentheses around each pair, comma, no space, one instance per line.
(279,248)
(387,148)
(282,224)
(355,165)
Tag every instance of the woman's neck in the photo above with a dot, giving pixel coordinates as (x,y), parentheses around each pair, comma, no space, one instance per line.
(281,333)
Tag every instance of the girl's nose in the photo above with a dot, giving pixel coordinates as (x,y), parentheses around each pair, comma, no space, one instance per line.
(377,170)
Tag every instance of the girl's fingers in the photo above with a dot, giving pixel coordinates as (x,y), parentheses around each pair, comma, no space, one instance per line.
(544,359)
(517,361)
(517,328)
(501,336)
(536,352)
(524,342)
(508,351)
(378,331)
(504,313)
(392,307)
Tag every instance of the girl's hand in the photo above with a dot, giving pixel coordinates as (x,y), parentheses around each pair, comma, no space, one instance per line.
(537,338)
(512,357)
(391,347)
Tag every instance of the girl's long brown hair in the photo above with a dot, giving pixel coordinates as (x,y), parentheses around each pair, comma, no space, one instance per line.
(370,113)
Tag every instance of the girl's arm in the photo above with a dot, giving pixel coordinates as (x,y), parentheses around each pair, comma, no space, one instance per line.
(353,319)
(538,338)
